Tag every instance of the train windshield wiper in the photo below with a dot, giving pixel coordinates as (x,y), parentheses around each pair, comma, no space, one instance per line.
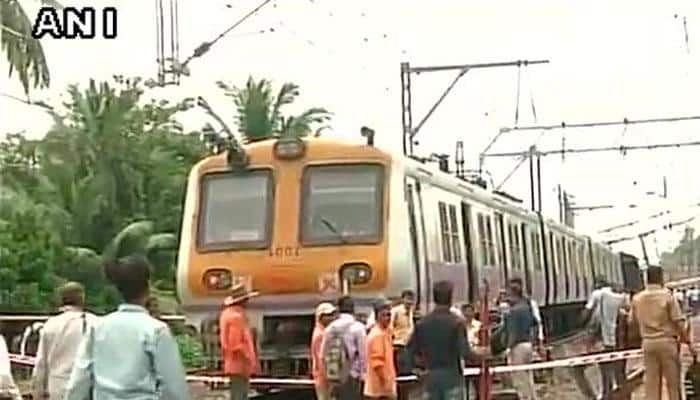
(334,229)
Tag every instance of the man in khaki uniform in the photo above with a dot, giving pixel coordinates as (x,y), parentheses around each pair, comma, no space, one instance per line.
(661,326)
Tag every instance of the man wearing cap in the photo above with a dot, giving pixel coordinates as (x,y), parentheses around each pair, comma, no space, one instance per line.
(325,314)
(58,343)
(237,344)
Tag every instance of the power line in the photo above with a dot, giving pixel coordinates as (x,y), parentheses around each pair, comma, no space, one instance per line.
(651,232)
(621,149)
(564,125)
(206,46)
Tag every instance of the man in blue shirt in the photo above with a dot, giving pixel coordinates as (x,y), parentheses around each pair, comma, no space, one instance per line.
(129,355)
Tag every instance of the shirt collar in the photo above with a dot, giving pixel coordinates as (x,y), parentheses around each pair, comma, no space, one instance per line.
(132,308)
(69,308)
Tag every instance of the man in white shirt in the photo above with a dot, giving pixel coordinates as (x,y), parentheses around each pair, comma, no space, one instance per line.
(604,305)
(58,343)
(8,388)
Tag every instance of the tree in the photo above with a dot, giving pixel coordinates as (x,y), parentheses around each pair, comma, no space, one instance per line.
(106,181)
(24,53)
(259,112)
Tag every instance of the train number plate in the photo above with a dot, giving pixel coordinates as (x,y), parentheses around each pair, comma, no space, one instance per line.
(284,252)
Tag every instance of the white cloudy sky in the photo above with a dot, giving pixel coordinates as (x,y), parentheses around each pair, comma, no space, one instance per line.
(609,60)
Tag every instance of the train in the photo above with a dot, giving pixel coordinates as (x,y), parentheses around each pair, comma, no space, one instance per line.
(304,220)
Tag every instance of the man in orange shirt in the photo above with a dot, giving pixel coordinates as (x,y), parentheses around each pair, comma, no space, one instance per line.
(325,314)
(237,344)
(380,383)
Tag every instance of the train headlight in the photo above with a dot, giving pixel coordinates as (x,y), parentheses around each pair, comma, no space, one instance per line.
(356,273)
(289,148)
(218,279)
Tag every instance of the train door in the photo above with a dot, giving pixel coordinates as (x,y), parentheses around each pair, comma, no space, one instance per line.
(553,270)
(501,246)
(419,244)
(527,257)
(472,276)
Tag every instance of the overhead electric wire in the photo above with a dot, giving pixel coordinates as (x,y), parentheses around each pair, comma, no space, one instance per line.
(652,231)
(564,125)
(206,46)
(597,149)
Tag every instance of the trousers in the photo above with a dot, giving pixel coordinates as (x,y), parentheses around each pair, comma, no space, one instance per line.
(661,361)
(524,382)
(240,388)
(611,373)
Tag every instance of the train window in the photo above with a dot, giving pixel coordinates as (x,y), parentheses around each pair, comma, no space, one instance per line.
(486,239)
(342,204)
(232,218)
(514,240)
(454,235)
(536,250)
(481,226)
(489,241)
(445,233)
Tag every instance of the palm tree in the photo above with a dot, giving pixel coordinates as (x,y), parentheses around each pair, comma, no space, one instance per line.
(259,112)
(24,53)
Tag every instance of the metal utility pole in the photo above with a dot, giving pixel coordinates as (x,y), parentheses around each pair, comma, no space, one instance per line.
(409,131)
(167,42)
(644,249)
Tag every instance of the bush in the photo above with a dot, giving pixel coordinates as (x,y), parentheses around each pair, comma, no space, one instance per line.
(191,351)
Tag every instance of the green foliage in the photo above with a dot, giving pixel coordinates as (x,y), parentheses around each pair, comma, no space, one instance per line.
(24,53)
(259,111)
(191,351)
(106,181)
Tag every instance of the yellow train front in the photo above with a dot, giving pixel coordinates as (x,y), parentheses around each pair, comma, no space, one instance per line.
(289,218)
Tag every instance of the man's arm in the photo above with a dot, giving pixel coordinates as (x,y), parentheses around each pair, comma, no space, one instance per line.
(676,316)
(168,367)
(463,348)
(361,342)
(412,348)
(375,355)
(590,306)
(40,373)
(80,382)
(538,320)
(232,336)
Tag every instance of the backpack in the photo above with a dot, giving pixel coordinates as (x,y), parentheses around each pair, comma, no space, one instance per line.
(336,357)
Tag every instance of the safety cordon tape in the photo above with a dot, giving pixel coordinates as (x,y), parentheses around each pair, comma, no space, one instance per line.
(565,362)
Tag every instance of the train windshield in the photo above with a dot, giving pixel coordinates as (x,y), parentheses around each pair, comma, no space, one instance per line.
(342,204)
(236,210)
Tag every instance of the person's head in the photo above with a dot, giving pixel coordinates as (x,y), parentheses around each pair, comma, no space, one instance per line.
(382,313)
(599,282)
(71,294)
(655,275)
(515,286)
(153,306)
(325,313)
(408,298)
(468,311)
(131,276)
(442,293)
(346,305)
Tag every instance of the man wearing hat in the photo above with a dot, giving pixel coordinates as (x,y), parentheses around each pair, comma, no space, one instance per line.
(325,314)
(237,344)
(59,341)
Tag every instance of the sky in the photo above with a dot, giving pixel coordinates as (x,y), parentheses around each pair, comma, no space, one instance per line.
(608,61)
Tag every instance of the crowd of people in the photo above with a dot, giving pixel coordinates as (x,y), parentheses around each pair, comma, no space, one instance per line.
(81,356)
